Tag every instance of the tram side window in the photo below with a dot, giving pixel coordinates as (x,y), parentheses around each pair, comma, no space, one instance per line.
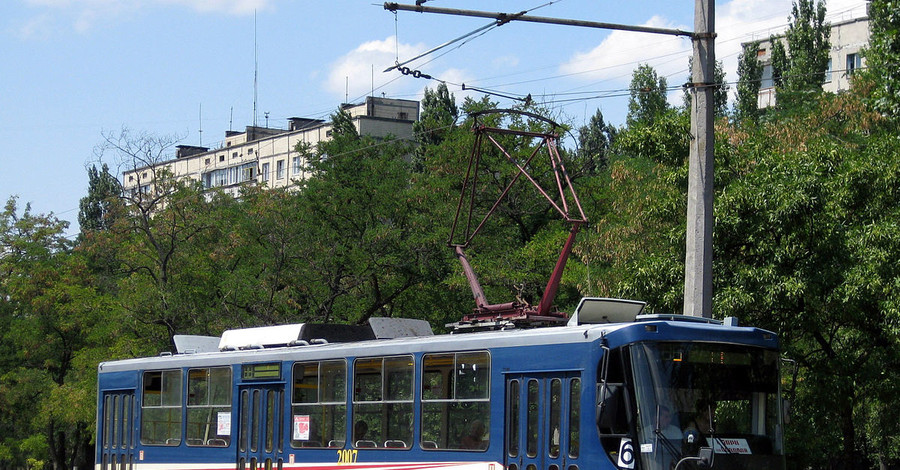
(161,408)
(383,402)
(574,416)
(319,404)
(613,416)
(456,401)
(209,407)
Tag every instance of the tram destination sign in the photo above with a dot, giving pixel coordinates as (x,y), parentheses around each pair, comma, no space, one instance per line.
(265,371)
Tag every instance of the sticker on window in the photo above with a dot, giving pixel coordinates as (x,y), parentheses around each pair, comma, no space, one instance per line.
(301,427)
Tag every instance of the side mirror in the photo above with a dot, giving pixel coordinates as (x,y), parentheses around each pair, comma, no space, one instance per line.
(706,457)
(608,407)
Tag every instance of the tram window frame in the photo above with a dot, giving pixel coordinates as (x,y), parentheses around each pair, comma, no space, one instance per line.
(383,400)
(513,401)
(328,400)
(209,393)
(162,400)
(455,401)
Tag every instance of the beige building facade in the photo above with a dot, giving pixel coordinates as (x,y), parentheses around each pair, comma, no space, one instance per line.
(848,38)
(268,157)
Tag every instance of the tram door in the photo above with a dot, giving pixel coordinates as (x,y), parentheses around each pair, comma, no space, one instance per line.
(260,439)
(542,421)
(117,437)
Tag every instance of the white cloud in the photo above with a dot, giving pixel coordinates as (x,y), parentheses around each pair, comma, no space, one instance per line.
(612,62)
(84,15)
(504,62)
(354,72)
(38,27)
(458,76)
(614,59)
(232,7)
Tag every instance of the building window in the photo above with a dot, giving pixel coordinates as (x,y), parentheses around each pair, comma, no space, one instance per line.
(854,61)
(766,80)
(250,151)
(264,174)
(209,407)
(161,408)
(828,72)
(234,155)
(221,158)
(319,404)
(229,176)
(130,178)
(296,165)
(279,169)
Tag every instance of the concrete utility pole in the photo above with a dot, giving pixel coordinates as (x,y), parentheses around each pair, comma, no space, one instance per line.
(698,256)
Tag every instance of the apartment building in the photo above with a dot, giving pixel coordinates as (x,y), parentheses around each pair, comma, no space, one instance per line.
(847,39)
(267,156)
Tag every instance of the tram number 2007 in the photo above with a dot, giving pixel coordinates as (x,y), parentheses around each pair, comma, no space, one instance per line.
(347,455)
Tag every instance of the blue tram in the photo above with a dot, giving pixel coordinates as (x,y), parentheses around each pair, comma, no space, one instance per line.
(611,389)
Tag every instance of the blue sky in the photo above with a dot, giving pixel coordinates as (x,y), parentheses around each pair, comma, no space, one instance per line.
(72,70)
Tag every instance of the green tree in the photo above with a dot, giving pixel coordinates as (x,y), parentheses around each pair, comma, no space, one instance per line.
(104,191)
(439,115)
(883,55)
(595,142)
(366,243)
(746,107)
(780,62)
(806,238)
(165,283)
(342,123)
(647,96)
(808,49)
(50,313)
(636,247)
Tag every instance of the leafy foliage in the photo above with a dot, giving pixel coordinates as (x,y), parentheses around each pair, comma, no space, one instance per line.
(750,70)
(808,49)
(883,55)
(647,96)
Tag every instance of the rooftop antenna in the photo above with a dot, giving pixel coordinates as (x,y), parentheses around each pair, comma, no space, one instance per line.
(255,68)
(200,131)
(347,89)
(231,119)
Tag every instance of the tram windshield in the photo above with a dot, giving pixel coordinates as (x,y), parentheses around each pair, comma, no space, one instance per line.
(719,396)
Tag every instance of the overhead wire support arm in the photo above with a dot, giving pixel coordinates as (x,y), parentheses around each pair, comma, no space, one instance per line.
(507,17)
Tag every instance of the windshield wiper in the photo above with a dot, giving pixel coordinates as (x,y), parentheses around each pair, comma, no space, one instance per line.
(676,454)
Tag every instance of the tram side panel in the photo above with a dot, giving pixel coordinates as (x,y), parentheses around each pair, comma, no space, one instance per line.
(148,418)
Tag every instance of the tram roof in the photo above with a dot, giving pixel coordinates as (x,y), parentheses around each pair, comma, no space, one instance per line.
(572,334)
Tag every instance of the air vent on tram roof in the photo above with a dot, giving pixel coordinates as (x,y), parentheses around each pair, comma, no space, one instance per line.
(315,333)
(190,344)
(595,310)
